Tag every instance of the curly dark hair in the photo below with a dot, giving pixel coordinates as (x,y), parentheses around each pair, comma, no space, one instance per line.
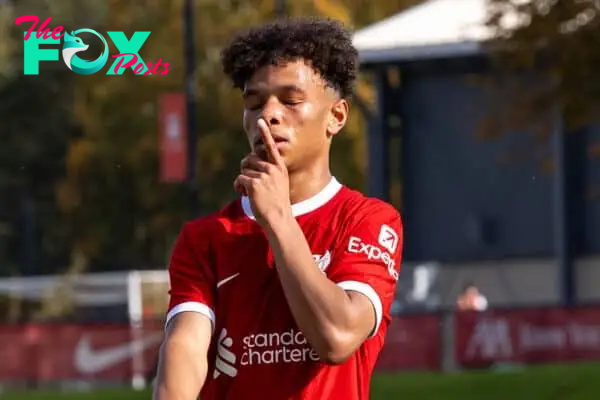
(323,43)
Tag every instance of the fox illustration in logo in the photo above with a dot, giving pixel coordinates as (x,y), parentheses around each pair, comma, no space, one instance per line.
(73,44)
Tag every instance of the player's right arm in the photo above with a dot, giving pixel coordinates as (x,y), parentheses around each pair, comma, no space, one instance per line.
(183,363)
(183,360)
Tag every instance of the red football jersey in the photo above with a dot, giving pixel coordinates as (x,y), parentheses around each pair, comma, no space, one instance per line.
(222,267)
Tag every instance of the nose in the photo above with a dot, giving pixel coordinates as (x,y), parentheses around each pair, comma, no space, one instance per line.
(272,112)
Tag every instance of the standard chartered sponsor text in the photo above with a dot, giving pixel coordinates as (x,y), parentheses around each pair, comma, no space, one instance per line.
(277,348)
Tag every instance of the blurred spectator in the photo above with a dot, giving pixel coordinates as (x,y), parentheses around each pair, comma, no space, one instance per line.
(471,299)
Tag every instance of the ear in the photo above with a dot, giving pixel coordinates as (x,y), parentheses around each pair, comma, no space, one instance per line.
(338,115)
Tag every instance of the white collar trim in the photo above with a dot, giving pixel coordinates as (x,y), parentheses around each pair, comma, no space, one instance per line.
(305,206)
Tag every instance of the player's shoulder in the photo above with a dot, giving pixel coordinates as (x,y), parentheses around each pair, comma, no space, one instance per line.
(359,207)
(229,218)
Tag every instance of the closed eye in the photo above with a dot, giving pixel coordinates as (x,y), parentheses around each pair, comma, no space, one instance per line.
(256,103)
(292,102)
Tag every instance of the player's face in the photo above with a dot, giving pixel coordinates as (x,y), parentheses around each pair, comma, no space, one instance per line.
(301,110)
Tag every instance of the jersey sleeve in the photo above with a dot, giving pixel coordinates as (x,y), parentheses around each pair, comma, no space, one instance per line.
(369,257)
(192,278)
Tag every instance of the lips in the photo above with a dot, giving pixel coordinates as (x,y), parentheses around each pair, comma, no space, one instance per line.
(278,139)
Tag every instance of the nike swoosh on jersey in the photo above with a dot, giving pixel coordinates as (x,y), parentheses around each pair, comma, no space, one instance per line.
(224,281)
(90,361)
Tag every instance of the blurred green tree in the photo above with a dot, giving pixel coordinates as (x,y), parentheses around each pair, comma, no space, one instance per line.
(37,124)
(102,201)
(558,42)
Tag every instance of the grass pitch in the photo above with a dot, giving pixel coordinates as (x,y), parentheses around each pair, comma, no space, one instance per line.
(567,382)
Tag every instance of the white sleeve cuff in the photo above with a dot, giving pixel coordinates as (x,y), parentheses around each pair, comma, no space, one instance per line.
(192,306)
(371,294)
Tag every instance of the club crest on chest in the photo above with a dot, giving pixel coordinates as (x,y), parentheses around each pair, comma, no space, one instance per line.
(322,260)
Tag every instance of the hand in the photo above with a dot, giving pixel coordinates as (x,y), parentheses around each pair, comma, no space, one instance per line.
(266,183)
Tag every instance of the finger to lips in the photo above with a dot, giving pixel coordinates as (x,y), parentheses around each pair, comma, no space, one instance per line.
(270,145)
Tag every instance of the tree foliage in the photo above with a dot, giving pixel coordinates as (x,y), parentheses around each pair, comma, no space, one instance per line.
(36,127)
(85,148)
(557,41)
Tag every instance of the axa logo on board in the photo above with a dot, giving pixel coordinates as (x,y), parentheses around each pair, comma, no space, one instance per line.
(128,56)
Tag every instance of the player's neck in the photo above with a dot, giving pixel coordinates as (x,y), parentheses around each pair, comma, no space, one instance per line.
(304,185)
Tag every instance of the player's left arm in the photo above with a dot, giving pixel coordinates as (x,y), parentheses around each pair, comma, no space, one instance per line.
(338,312)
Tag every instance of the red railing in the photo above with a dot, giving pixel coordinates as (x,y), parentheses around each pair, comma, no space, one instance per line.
(46,353)
(527,336)
(71,352)
(413,342)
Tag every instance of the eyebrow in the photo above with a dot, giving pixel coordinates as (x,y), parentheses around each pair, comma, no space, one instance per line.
(288,88)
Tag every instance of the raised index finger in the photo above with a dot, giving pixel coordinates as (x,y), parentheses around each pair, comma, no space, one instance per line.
(270,145)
